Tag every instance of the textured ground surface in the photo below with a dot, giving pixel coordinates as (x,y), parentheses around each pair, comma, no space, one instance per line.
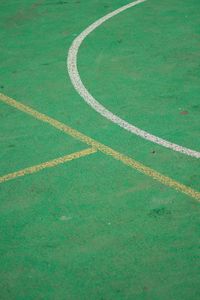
(94,228)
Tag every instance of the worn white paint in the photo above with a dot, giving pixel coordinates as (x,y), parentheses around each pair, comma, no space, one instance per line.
(84,93)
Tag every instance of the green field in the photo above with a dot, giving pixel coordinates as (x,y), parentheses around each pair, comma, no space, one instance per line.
(89,210)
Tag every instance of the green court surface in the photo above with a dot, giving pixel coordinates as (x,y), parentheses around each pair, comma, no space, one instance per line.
(89,210)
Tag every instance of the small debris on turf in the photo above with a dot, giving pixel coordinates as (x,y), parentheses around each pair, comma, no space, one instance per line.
(184,112)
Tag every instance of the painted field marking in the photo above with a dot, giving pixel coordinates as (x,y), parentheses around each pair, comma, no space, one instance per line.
(48,164)
(102,148)
(89,99)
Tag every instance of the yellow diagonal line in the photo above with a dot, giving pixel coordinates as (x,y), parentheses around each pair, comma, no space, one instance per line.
(103,148)
(48,164)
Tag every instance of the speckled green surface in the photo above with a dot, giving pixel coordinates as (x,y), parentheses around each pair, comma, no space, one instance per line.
(94,228)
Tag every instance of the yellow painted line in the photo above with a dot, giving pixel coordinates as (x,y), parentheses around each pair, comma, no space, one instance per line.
(103,148)
(48,164)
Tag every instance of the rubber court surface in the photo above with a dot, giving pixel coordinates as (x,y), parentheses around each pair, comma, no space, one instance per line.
(89,210)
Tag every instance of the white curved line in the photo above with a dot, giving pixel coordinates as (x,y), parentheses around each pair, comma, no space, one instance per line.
(83,92)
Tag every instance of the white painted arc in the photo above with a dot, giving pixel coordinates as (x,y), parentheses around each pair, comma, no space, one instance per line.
(84,93)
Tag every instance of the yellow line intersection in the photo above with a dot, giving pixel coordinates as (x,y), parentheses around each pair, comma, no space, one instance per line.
(102,148)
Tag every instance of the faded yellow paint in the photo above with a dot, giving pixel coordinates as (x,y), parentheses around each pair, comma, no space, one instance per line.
(103,148)
(48,164)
